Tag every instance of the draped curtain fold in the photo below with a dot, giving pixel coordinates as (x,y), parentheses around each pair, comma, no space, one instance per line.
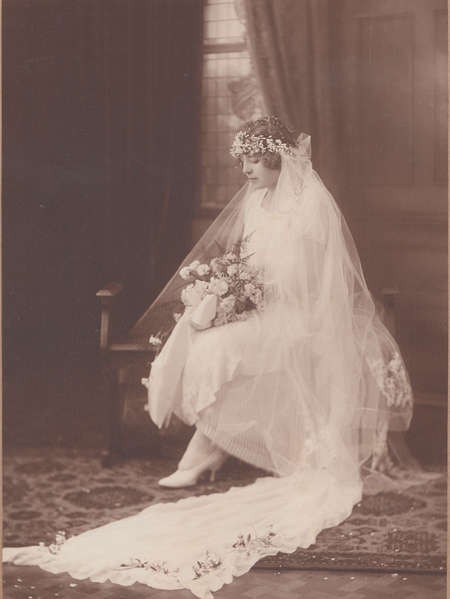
(175,86)
(154,56)
(102,159)
(291,45)
(297,64)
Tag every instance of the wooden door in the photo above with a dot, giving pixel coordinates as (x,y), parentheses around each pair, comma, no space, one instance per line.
(393,112)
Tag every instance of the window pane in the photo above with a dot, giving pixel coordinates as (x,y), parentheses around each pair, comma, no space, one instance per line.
(223,74)
(221,24)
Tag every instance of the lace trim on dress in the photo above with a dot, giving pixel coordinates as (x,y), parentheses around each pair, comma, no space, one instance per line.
(393,381)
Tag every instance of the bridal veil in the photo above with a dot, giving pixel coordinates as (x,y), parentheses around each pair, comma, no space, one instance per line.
(316,377)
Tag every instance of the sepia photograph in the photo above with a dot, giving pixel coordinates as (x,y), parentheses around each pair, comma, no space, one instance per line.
(225,299)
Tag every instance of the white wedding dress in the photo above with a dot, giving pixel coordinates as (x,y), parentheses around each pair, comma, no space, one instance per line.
(299,390)
(217,372)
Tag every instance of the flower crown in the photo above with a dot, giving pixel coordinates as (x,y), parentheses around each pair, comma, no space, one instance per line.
(244,143)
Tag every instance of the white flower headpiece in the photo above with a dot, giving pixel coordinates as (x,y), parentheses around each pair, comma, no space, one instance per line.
(244,143)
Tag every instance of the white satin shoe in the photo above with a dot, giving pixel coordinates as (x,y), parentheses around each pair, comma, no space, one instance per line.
(189,476)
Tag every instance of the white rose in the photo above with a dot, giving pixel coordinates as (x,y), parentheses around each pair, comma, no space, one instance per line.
(185,273)
(249,289)
(201,287)
(177,316)
(223,287)
(218,286)
(156,341)
(186,295)
(193,294)
(202,270)
(232,269)
(194,264)
(216,265)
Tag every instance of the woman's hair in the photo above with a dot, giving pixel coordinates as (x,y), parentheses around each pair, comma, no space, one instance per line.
(269,127)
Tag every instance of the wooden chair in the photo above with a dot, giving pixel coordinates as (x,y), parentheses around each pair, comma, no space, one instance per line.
(125,363)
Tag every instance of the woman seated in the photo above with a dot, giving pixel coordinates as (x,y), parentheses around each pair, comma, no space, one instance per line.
(308,373)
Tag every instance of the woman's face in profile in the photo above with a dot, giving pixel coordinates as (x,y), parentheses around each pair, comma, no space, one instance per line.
(259,175)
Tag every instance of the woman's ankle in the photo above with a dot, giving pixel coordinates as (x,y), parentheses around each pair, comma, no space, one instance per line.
(198,450)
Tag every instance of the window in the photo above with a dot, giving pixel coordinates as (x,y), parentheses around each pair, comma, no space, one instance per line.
(229,97)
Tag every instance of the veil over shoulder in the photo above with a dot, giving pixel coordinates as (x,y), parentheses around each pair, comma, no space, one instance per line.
(304,388)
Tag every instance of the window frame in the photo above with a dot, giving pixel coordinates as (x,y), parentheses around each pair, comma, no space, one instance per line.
(210,47)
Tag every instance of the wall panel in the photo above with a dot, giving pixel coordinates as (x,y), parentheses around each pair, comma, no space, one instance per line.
(386,49)
(440,97)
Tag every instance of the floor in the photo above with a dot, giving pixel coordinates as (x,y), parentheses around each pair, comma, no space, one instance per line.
(33,583)
(63,406)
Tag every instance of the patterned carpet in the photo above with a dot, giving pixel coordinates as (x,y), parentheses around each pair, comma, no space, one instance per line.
(25,582)
(47,490)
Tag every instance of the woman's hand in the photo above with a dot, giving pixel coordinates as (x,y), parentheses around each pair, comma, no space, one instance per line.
(204,314)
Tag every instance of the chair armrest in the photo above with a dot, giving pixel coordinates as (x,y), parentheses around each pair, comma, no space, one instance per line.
(107,295)
(111,290)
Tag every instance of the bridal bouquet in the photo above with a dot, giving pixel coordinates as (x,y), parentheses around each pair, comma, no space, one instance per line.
(224,290)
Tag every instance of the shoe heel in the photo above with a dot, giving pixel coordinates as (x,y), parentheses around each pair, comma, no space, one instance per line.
(214,468)
(190,477)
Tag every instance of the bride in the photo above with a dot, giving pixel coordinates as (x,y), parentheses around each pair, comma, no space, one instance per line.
(271,346)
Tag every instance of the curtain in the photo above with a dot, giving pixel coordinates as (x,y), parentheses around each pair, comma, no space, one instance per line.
(102,136)
(296,59)
(153,95)
(175,80)
(291,45)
